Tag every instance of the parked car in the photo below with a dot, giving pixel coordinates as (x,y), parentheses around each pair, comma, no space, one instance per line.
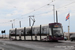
(72,37)
(65,38)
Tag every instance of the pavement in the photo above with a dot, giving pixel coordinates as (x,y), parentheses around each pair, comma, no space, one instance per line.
(36,45)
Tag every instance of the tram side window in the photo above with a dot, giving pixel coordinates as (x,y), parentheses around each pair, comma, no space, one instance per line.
(46,30)
(50,31)
(20,31)
(43,30)
(12,31)
(28,31)
(36,31)
(33,31)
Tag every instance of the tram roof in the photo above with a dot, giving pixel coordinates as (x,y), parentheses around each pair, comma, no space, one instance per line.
(54,23)
(12,29)
(37,26)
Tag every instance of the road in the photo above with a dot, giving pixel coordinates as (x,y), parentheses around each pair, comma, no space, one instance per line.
(35,45)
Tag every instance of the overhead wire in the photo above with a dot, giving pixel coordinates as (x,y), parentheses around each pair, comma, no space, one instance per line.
(33,11)
(28,13)
(66,5)
(40,13)
(40,8)
(36,9)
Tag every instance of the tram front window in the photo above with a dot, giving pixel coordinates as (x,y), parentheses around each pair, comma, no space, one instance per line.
(57,32)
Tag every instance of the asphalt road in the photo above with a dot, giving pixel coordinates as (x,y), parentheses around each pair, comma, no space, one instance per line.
(35,45)
(7,46)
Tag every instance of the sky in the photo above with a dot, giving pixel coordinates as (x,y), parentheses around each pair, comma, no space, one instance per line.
(13,11)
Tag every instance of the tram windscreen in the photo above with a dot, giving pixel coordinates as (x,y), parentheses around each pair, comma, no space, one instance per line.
(57,31)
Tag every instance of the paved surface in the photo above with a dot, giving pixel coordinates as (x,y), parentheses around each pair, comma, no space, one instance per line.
(12,47)
(34,45)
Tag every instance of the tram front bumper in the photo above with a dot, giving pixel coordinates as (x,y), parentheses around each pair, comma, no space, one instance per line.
(58,38)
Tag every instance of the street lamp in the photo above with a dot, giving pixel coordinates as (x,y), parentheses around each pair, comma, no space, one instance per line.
(53,11)
(12,23)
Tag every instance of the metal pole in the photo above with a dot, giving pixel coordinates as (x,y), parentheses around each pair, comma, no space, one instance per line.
(69,28)
(40,32)
(31,33)
(54,12)
(20,23)
(2,33)
(5,33)
(15,33)
(29,21)
(24,33)
(12,25)
(68,33)
(56,17)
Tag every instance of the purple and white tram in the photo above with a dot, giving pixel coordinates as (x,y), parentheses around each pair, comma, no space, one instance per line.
(52,31)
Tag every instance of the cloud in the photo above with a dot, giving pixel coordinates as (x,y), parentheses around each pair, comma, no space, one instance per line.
(16,12)
(22,5)
(8,15)
(12,9)
(4,22)
(46,14)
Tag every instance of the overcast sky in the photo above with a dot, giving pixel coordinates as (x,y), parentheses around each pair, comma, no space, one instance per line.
(20,10)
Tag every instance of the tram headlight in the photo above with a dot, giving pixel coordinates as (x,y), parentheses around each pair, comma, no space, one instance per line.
(61,36)
(54,36)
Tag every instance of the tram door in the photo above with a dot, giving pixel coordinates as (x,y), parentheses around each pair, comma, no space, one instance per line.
(20,36)
(35,34)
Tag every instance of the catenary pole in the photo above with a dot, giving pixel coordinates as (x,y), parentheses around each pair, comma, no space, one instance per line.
(54,12)
(69,28)
(56,17)
(20,23)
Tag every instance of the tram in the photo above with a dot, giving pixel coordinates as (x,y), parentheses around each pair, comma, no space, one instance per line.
(51,31)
